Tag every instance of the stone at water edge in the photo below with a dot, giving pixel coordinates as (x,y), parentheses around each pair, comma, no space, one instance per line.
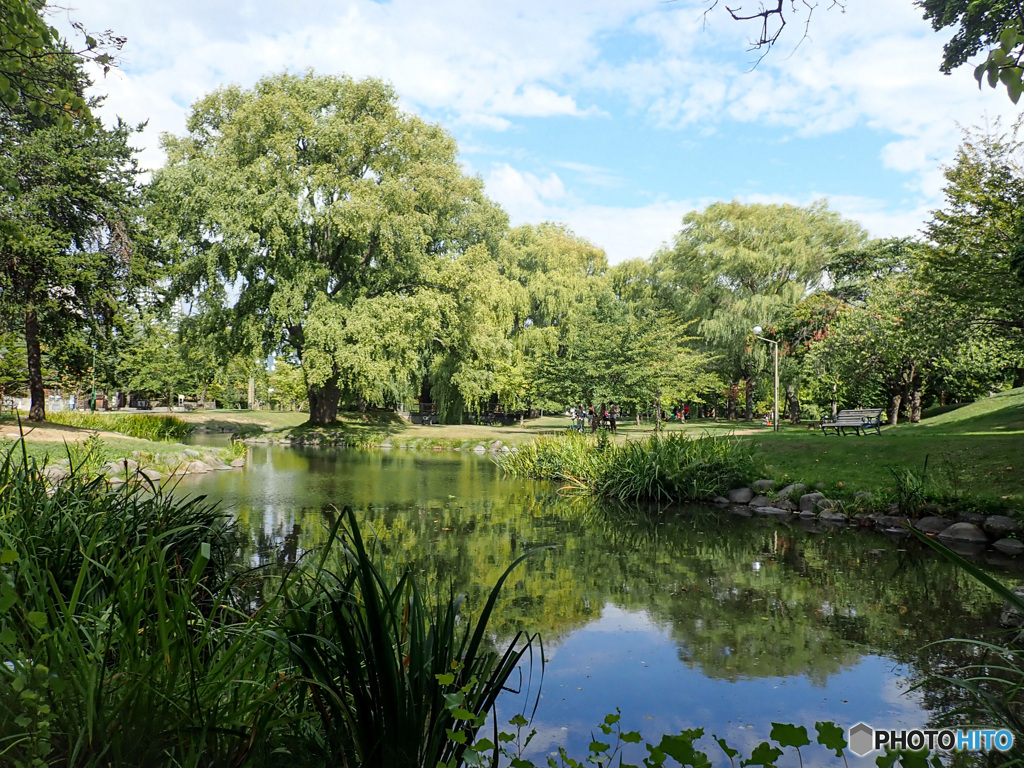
(763,485)
(720,501)
(1011,615)
(808,500)
(152,474)
(932,524)
(760,501)
(192,453)
(833,516)
(1000,526)
(965,532)
(741,495)
(826,505)
(784,504)
(792,488)
(775,511)
(1010,546)
(890,521)
(198,467)
(236,463)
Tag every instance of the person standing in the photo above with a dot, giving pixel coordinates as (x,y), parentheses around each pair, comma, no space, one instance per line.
(613,416)
(595,419)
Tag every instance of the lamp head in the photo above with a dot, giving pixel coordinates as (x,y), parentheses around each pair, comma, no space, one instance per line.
(758,330)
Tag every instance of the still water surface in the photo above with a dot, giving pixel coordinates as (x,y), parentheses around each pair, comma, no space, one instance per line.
(689,619)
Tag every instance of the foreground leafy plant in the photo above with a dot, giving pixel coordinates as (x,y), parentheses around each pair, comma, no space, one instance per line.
(374,658)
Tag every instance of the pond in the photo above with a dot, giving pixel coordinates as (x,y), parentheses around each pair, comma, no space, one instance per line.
(694,618)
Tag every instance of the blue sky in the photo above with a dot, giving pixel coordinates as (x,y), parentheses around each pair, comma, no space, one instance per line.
(614,116)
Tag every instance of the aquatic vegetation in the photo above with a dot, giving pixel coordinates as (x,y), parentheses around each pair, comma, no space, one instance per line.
(141,425)
(670,467)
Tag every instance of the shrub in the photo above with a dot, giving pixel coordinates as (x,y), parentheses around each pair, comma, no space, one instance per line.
(141,425)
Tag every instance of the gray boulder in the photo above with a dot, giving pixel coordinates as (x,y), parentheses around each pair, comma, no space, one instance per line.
(152,474)
(792,488)
(236,463)
(890,521)
(1010,546)
(833,516)
(1011,616)
(1000,526)
(192,453)
(808,514)
(971,517)
(809,500)
(932,524)
(784,504)
(759,501)
(826,505)
(968,533)
(720,501)
(741,495)
(763,485)
(55,474)
(775,511)
(198,467)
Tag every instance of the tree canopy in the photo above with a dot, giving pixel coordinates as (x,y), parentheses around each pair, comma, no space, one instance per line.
(328,216)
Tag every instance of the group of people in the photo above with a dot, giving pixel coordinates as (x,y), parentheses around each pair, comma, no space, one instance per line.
(606,415)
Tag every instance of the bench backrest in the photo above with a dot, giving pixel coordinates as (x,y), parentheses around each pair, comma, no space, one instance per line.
(859,414)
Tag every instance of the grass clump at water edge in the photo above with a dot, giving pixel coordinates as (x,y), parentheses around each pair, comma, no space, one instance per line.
(141,425)
(668,467)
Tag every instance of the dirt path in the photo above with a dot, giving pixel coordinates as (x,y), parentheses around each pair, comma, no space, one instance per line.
(53,433)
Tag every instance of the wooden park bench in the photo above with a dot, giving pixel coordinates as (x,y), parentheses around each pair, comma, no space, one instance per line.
(856,419)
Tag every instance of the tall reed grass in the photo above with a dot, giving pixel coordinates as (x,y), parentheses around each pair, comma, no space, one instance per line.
(128,639)
(380,663)
(141,425)
(662,468)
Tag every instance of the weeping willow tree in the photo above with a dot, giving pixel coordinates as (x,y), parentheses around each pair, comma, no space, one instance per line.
(315,217)
(734,266)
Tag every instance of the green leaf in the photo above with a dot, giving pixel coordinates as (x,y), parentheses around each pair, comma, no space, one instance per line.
(8,556)
(7,636)
(831,736)
(631,737)
(789,735)
(596,747)
(764,755)
(680,748)
(36,618)
(888,760)
(446,678)
(729,751)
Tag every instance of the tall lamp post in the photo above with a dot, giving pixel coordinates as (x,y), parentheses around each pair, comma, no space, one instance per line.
(758,330)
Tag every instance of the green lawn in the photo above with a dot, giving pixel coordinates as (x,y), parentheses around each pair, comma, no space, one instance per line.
(977,450)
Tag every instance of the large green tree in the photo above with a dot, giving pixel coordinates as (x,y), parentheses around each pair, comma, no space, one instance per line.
(311,213)
(978,262)
(68,258)
(734,266)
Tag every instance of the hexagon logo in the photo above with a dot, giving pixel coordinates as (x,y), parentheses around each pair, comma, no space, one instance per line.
(862,739)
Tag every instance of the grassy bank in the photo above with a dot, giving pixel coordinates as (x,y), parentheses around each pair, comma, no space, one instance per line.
(974,451)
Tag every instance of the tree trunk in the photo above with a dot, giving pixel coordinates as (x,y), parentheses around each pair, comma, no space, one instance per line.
(323,403)
(895,398)
(916,392)
(835,402)
(1018,377)
(37,411)
(730,409)
(748,410)
(714,406)
(251,399)
(793,401)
